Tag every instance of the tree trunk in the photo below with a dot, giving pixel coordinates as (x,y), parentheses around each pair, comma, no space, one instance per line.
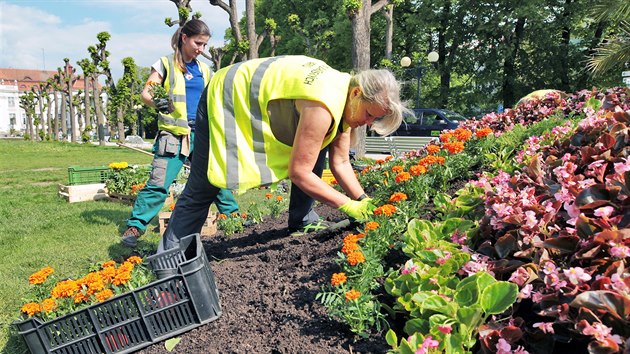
(389,35)
(120,125)
(251,29)
(509,65)
(49,121)
(56,114)
(63,114)
(73,118)
(100,119)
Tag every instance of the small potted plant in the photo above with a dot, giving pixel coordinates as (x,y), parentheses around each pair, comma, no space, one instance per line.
(158,92)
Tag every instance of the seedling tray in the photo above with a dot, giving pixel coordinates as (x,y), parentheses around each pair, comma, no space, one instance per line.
(184,297)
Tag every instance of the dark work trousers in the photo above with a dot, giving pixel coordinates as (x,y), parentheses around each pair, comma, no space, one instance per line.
(301,211)
(192,206)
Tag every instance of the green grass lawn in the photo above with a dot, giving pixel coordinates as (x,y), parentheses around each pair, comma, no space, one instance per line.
(39,228)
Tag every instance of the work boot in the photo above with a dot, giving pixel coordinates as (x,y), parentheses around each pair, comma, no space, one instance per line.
(130,236)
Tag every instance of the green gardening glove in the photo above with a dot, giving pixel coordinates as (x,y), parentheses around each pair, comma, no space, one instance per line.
(358,210)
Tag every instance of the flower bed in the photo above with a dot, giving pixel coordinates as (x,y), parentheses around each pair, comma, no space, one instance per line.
(184,297)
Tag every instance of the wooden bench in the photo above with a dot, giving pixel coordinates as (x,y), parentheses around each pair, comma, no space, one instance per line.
(395,145)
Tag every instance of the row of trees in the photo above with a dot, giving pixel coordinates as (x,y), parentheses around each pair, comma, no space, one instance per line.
(491,52)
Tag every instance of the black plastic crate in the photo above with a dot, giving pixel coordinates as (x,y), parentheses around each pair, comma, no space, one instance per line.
(184,297)
(87,175)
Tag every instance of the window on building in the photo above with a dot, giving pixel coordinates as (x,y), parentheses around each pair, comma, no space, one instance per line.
(11,102)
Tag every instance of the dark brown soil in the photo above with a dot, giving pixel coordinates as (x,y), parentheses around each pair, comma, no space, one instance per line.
(268,281)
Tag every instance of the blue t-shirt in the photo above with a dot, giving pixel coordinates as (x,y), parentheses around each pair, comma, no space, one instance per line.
(194,88)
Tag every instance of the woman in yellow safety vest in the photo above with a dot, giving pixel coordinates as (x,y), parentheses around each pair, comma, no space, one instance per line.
(183,77)
(267,119)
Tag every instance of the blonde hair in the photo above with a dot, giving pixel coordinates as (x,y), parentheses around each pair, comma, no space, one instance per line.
(191,28)
(381,87)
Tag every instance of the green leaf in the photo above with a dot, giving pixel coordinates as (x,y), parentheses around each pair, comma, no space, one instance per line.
(392,339)
(170,344)
(416,325)
(467,291)
(470,316)
(498,297)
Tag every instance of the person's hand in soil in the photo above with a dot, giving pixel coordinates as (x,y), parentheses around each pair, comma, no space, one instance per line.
(163,105)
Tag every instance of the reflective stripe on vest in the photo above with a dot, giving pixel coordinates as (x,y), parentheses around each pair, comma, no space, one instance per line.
(243,151)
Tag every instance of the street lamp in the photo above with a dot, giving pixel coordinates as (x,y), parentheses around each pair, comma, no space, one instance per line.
(405,62)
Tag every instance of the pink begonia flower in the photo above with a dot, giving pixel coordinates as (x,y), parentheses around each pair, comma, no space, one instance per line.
(531,221)
(573,212)
(446,329)
(433,281)
(537,296)
(442,260)
(458,237)
(622,167)
(503,347)
(576,275)
(409,267)
(520,276)
(619,284)
(601,332)
(563,195)
(526,292)
(586,183)
(620,251)
(427,344)
(604,212)
(502,209)
(546,327)
(554,281)
(549,267)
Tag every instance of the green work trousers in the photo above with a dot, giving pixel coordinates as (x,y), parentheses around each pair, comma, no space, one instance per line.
(167,162)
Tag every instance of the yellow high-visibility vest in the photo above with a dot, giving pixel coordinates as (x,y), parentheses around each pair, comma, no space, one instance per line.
(243,151)
(176,122)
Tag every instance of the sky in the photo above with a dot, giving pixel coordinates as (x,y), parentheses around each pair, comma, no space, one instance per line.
(39,34)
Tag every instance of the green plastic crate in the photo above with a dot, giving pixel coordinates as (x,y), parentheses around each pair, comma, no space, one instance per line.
(87,175)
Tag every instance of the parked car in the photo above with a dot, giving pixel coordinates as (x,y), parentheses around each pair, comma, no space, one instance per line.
(428,122)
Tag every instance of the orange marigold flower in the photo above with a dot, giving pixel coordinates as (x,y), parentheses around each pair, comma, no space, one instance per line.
(397,197)
(31,308)
(334,182)
(279,198)
(446,137)
(338,279)
(126,267)
(359,235)
(417,170)
(397,169)
(402,177)
(388,158)
(134,259)
(483,132)
(371,225)
(40,276)
(104,295)
(349,247)
(65,288)
(350,238)
(93,281)
(121,278)
(352,295)
(462,134)
(432,149)
(108,273)
(48,305)
(234,214)
(387,210)
(455,147)
(268,195)
(380,161)
(222,217)
(108,264)
(440,160)
(243,215)
(366,169)
(80,297)
(355,258)
(171,207)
